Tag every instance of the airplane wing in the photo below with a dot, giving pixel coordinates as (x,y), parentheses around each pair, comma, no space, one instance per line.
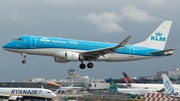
(161,52)
(103,51)
(4,95)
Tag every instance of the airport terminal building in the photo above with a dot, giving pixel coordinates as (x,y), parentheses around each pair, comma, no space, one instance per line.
(89,83)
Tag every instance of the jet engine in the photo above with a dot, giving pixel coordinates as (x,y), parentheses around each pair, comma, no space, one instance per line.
(64,57)
(16,98)
(133,95)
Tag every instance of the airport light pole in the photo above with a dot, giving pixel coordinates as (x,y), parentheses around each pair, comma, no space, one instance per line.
(46,81)
(5,66)
(46,73)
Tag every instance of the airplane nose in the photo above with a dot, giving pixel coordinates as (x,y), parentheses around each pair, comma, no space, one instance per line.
(7,45)
(54,95)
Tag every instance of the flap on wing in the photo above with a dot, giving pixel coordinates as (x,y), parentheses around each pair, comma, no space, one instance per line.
(162,51)
(103,51)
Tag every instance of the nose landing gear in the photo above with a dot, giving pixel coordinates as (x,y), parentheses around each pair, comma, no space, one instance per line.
(23,61)
(24,55)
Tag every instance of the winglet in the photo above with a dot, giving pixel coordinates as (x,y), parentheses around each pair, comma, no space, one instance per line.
(124,42)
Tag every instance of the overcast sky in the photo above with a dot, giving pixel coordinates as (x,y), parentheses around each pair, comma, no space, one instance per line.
(96,20)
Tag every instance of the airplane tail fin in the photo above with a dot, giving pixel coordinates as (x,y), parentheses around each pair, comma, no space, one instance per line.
(113,86)
(168,85)
(71,85)
(127,78)
(158,38)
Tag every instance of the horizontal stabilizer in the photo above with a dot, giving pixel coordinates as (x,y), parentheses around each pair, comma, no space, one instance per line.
(162,51)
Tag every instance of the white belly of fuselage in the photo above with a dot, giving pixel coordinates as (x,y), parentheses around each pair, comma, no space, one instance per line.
(107,58)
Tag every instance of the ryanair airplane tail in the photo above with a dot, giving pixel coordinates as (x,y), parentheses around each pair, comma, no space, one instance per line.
(158,38)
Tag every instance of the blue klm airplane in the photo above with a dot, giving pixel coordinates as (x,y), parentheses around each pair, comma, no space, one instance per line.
(70,50)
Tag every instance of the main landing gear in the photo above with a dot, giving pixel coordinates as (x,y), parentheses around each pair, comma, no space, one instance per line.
(83,66)
(24,55)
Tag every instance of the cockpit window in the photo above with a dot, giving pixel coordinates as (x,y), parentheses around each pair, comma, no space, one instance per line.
(18,39)
(14,39)
(49,92)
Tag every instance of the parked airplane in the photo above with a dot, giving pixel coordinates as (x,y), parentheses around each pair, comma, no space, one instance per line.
(131,84)
(169,89)
(132,92)
(70,50)
(26,93)
(67,89)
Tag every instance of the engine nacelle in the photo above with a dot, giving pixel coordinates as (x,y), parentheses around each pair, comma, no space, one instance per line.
(72,57)
(60,60)
(64,57)
(133,95)
(16,98)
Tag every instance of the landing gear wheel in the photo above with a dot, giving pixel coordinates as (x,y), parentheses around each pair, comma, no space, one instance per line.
(23,61)
(90,65)
(82,66)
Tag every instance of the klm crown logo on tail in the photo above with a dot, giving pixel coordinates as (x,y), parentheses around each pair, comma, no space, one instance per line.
(169,88)
(158,37)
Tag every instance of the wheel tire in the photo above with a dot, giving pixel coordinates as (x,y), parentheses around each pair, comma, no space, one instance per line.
(90,65)
(23,61)
(82,66)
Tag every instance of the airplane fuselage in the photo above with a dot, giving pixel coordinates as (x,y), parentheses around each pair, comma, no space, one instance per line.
(157,87)
(135,91)
(47,46)
(27,93)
